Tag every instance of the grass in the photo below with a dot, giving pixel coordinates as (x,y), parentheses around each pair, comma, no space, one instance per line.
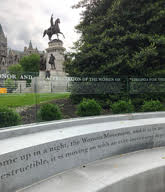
(20,100)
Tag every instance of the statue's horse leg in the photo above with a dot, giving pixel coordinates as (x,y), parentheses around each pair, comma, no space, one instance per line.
(62,34)
(45,32)
(50,36)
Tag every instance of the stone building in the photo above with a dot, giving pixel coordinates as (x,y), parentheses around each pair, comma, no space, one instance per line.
(3,50)
(10,57)
(13,57)
(29,50)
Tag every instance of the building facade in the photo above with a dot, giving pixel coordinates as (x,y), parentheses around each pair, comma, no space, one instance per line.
(3,49)
(29,50)
(10,57)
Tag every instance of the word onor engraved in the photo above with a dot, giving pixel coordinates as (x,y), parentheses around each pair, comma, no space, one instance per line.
(13,76)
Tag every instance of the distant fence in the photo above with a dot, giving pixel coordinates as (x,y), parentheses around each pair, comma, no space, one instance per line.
(91,84)
(40,83)
(108,85)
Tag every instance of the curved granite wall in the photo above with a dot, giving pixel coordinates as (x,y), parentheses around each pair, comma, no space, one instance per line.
(33,156)
(141,171)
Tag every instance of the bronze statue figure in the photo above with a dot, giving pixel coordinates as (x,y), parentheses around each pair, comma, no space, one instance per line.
(47,75)
(42,63)
(53,29)
(52,61)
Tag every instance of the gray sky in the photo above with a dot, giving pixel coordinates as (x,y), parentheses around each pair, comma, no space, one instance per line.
(25,20)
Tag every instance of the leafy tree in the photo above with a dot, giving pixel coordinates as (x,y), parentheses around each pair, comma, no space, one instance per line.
(30,63)
(10,85)
(120,37)
(15,69)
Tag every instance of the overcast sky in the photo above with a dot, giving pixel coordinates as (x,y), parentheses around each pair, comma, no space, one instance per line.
(25,20)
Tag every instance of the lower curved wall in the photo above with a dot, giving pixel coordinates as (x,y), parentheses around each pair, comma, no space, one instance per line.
(149,181)
(142,171)
(27,159)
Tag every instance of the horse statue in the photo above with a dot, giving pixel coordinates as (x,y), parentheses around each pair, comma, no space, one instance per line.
(53,29)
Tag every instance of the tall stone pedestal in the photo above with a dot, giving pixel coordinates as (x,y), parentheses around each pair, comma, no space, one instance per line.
(57,81)
(56,48)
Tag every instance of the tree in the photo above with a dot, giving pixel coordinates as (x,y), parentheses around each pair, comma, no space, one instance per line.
(30,63)
(10,85)
(120,37)
(15,69)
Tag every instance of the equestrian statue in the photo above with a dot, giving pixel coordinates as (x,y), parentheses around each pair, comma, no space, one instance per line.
(53,29)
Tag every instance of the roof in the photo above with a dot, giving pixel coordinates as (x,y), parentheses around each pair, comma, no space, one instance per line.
(30,45)
(1,31)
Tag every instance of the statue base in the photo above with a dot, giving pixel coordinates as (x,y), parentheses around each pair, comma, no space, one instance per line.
(57,50)
(42,74)
(57,81)
(52,84)
(55,41)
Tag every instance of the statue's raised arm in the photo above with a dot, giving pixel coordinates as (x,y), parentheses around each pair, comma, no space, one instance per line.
(51,21)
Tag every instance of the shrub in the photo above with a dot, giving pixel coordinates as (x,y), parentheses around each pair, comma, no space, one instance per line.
(151,106)
(8,117)
(49,112)
(10,85)
(89,108)
(137,102)
(122,107)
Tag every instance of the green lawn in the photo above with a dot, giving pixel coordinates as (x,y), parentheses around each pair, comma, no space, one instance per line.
(19,100)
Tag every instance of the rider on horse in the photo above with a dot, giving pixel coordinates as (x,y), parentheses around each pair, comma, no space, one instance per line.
(51,23)
(54,28)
